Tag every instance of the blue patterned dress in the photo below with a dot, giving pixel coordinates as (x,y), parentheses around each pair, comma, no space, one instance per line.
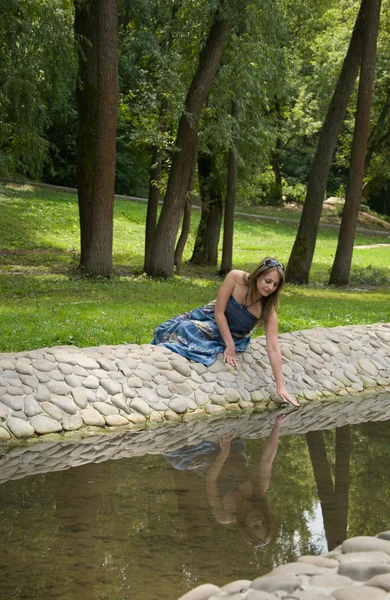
(196,336)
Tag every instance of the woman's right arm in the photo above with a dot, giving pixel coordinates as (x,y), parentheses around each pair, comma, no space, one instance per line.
(224,294)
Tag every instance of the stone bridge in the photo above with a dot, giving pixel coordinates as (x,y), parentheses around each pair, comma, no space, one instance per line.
(69,393)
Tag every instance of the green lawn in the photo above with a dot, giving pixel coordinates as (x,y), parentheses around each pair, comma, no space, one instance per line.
(44,302)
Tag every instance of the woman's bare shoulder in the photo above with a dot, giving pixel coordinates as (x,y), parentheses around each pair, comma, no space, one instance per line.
(240,277)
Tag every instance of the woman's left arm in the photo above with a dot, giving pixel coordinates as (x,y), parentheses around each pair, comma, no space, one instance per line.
(275,358)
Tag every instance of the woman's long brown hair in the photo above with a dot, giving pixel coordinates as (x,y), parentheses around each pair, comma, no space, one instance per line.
(268,303)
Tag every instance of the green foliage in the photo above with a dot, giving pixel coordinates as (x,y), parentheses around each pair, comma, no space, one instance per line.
(36,63)
(370,275)
(44,301)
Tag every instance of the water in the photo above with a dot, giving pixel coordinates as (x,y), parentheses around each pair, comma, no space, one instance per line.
(137,528)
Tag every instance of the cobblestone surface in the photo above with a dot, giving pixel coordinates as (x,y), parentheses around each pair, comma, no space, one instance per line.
(359,569)
(65,389)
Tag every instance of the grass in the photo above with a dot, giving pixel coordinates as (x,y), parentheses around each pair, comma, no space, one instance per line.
(44,301)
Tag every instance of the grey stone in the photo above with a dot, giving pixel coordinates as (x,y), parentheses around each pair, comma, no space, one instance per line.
(141,406)
(65,369)
(24,368)
(58,387)
(7,365)
(151,369)
(172,376)
(64,356)
(31,406)
(119,400)
(107,364)
(163,391)
(90,382)
(52,410)
(116,420)
(237,586)
(202,592)
(30,380)
(71,422)
(19,428)
(43,365)
(134,382)
(182,389)
(271,583)
(14,402)
(66,404)
(112,387)
(105,409)
(380,581)
(90,416)
(80,397)
(44,424)
(363,571)
(4,411)
(365,544)
(4,434)
(330,580)
(182,367)
(87,362)
(143,375)
(73,380)
(359,593)
(179,405)
(201,398)
(148,395)
(319,561)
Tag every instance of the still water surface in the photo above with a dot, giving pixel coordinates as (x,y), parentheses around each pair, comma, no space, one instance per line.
(140,529)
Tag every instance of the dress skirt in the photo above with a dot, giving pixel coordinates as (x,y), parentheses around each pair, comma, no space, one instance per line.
(196,336)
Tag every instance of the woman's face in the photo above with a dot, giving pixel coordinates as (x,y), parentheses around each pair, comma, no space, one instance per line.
(256,527)
(268,284)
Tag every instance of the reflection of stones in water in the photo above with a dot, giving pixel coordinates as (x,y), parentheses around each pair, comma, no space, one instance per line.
(19,461)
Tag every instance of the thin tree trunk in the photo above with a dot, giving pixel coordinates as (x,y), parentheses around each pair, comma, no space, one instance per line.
(343,259)
(207,238)
(85,33)
(99,260)
(185,229)
(333,497)
(230,200)
(152,208)
(162,261)
(298,268)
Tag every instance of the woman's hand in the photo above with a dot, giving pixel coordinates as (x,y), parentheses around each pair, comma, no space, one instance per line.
(229,356)
(224,445)
(285,396)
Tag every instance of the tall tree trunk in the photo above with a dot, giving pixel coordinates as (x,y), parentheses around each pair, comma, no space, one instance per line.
(230,200)
(333,498)
(298,268)
(343,259)
(85,34)
(162,260)
(207,237)
(152,208)
(185,229)
(99,259)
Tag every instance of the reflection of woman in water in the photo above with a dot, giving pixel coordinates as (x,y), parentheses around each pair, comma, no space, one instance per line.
(235,493)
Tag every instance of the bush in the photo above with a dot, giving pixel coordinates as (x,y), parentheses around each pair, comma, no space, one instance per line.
(369,276)
(295,193)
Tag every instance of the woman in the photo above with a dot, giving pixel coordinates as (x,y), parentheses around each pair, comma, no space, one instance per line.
(225,325)
(235,493)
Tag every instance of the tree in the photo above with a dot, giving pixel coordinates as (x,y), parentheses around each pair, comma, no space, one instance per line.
(230,201)
(37,67)
(206,243)
(162,259)
(342,262)
(96,21)
(301,257)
